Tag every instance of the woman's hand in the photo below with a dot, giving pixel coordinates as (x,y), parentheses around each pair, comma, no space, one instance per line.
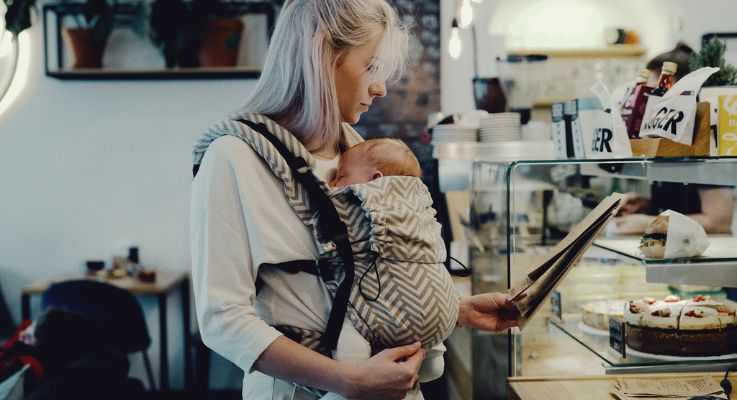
(489,312)
(387,375)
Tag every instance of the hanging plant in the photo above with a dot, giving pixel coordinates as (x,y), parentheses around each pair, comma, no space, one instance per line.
(18,15)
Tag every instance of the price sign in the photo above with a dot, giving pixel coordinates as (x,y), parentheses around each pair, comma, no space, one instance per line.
(616,336)
(555,304)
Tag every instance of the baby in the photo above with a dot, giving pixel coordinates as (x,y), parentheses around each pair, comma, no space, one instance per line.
(373,159)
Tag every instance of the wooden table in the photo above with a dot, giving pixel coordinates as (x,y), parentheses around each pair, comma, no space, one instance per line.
(585,388)
(166,282)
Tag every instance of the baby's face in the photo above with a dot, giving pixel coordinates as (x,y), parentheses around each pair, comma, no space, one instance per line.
(352,169)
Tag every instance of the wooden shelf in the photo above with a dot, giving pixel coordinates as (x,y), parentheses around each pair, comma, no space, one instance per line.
(163,74)
(613,51)
(54,59)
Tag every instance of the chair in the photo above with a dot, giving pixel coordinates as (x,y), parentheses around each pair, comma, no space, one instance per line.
(115,311)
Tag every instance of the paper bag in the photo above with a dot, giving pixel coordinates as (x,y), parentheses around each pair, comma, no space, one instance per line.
(609,137)
(686,237)
(672,116)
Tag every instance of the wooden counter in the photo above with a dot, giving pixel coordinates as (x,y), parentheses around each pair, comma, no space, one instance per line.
(583,388)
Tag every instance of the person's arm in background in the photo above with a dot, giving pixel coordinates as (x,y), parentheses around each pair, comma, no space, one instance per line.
(717,206)
(224,288)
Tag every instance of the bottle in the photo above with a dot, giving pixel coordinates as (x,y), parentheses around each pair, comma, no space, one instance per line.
(133,261)
(667,78)
(643,77)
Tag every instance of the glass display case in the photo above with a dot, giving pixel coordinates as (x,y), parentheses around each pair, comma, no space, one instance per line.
(519,210)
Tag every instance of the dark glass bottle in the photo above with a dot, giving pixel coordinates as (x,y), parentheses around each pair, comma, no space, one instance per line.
(667,78)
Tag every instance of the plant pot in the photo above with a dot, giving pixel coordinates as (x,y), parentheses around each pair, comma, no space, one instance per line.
(86,52)
(221,41)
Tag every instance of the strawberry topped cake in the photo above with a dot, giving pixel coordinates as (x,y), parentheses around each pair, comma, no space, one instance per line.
(692,327)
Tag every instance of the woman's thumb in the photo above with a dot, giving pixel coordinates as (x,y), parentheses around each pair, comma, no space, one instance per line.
(404,351)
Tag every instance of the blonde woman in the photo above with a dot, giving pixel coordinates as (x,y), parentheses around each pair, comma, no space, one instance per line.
(327,62)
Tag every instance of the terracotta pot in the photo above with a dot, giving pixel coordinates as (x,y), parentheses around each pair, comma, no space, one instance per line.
(221,42)
(86,53)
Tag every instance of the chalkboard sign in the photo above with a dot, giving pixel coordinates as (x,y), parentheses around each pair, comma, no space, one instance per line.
(616,336)
(555,304)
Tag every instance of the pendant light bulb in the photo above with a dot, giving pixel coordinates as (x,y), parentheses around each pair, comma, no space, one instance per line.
(466,14)
(454,45)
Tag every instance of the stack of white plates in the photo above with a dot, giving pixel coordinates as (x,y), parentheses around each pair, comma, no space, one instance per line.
(501,127)
(454,133)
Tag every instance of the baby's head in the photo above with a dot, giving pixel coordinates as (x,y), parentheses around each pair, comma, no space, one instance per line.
(373,159)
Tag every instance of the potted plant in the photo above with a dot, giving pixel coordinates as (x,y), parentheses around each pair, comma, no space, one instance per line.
(92,28)
(203,34)
(712,55)
(18,15)
(87,39)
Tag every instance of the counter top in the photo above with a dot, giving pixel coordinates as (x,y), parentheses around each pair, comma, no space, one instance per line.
(583,388)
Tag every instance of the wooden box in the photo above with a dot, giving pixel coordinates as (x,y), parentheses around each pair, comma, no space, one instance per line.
(657,147)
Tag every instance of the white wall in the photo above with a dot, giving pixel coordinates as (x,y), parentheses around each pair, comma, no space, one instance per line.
(683,20)
(90,167)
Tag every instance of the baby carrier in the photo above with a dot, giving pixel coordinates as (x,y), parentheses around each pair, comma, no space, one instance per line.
(380,250)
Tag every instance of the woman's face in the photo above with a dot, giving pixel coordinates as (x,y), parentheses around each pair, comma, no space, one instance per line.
(353,81)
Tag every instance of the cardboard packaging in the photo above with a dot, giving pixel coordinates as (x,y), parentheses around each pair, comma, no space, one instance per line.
(727,143)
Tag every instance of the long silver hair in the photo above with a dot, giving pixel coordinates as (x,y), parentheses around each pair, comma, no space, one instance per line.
(297,84)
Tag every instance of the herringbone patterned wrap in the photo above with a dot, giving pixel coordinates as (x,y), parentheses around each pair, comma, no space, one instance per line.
(402,291)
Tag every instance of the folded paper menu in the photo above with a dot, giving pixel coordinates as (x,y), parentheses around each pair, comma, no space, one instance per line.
(549,270)
(666,389)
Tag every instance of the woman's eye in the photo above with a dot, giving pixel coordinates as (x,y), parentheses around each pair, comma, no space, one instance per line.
(372,68)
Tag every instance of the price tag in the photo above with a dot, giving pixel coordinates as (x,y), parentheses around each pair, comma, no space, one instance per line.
(616,336)
(555,304)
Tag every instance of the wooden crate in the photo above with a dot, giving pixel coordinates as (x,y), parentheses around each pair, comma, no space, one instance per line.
(657,147)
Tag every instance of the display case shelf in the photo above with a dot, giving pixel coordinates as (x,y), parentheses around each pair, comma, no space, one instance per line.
(716,267)
(519,208)
(597,341)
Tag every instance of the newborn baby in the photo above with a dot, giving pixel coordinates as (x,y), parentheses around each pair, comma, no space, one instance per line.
(373,159)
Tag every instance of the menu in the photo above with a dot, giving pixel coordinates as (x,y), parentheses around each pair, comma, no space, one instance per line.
(548,271)
(667,389)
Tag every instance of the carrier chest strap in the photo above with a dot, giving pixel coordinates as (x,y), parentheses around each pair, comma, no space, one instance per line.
(331,227)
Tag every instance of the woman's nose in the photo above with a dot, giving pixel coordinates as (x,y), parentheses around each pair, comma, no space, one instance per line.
(378,89)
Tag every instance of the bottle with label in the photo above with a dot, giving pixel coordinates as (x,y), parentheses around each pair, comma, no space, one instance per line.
(667,78)
(642,78)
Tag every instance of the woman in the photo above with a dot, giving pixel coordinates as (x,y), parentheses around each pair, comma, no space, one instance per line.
(328,60)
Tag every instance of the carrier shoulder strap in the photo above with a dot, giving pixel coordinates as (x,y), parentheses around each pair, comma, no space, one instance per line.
(330,226)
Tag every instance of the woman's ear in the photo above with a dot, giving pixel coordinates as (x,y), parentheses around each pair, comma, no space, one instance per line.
(376,175)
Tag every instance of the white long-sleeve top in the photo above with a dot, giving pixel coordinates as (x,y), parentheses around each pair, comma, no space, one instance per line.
(240,219)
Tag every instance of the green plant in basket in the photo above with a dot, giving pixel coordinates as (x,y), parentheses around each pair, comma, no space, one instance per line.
(712,55)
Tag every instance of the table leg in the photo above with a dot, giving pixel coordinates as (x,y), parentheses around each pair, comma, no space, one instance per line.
(163,343)
(25,311)
(187,335)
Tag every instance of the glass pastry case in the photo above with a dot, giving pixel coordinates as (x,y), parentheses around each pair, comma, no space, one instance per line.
(518,210)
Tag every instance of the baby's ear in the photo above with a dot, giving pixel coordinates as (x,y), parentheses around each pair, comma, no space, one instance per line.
(376,175)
